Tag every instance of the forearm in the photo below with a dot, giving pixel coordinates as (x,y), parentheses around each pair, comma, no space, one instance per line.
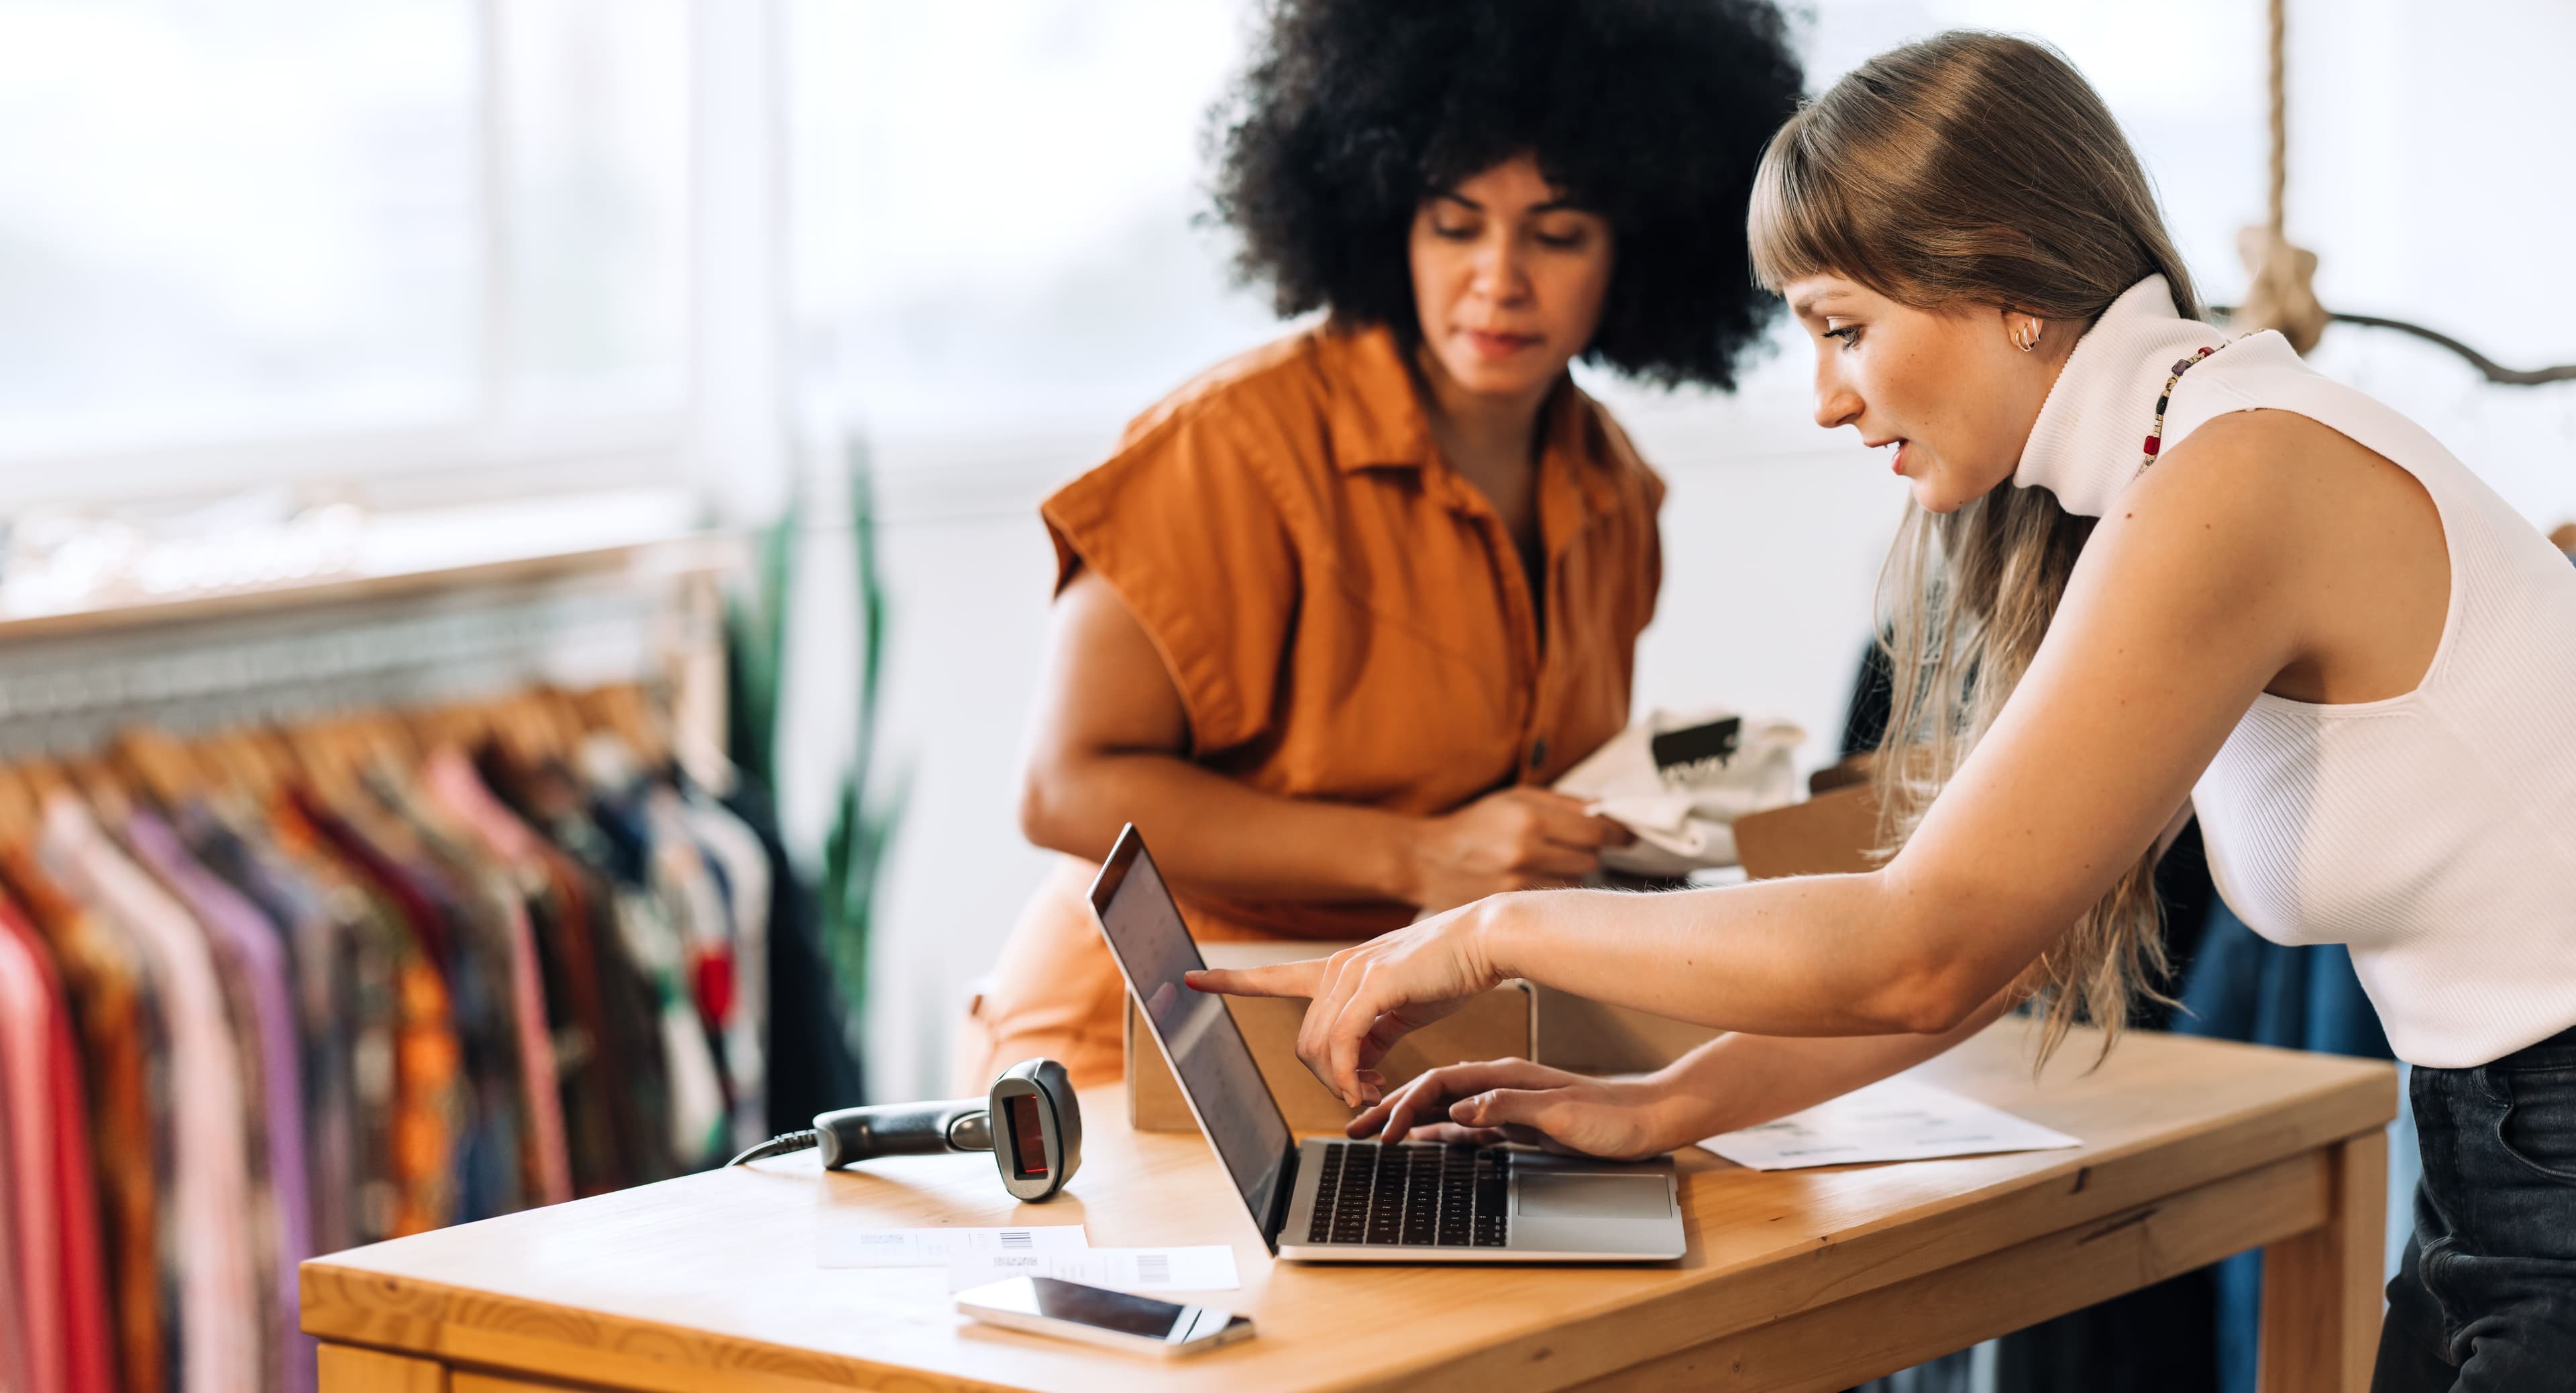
(1215,834)
(1739,1080)
(1799,956)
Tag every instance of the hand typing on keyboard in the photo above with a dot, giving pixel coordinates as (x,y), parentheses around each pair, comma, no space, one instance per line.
(1624,1118)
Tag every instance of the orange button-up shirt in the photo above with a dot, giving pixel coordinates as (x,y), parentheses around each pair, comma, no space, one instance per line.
(1346,618)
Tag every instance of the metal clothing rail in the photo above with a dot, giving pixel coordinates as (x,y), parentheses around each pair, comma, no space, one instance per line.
(67,695)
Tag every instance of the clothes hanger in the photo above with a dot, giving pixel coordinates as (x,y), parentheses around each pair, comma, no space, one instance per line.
(44,780)
(323,757)
(626,711)
(253,761)
(161,767)
(19,811)
(92,779)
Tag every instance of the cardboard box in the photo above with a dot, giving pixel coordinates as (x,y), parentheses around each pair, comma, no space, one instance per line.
(1493,1026)
(1831,832)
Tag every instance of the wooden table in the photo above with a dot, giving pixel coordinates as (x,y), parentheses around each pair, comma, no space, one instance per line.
(1795,1280)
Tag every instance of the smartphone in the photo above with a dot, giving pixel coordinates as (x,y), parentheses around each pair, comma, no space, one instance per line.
(1101,1316)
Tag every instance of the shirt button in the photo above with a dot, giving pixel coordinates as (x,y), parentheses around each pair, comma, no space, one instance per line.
(1538,753)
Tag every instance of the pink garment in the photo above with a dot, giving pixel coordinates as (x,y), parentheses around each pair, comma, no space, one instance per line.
(89,1364)
(34,1198)
(249,949)
(456,788)
(210,1185)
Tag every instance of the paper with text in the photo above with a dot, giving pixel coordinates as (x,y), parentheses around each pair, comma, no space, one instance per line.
(933,1247)
(1898,1119)
(1145,1270)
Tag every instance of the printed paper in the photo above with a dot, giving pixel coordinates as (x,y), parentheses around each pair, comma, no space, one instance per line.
(933,1247)
(1898,1119)
(1143,1270)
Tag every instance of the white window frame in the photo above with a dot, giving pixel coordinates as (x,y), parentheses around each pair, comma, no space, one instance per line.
(726,417)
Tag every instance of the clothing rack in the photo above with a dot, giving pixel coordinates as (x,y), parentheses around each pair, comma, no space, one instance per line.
(342,913)
(66,687)
(305,987)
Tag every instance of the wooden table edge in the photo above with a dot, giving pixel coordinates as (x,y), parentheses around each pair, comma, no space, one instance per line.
(411,1316)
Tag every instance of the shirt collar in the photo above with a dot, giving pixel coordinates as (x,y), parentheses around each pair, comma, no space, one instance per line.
(2088,444)
(1377,422)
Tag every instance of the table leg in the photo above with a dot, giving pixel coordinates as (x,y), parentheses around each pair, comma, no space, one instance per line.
(2321,1289)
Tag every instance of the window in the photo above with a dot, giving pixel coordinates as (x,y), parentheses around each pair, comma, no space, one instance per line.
(992,227)
(279,237)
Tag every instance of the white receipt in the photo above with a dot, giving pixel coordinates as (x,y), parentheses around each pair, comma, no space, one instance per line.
(847,1247)
(1209,1268)
(1896,1119)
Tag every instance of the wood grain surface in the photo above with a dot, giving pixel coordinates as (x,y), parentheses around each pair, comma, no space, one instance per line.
(1794,1279)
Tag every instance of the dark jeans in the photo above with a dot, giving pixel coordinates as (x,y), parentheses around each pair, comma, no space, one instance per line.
(2486,1296)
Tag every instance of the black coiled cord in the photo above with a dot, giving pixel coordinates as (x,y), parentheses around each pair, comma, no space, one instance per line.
(780,1145)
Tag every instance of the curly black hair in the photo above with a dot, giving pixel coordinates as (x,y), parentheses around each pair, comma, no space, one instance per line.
(1652,113)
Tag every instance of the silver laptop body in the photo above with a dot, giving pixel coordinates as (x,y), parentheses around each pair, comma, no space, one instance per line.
(1326,1200)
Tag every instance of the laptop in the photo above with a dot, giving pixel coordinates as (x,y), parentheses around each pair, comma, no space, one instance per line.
(1331,1200)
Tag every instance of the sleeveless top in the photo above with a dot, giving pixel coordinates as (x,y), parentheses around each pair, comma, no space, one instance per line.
(2434,832)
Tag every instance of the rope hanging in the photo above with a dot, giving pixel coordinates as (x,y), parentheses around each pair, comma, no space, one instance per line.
(2282,294)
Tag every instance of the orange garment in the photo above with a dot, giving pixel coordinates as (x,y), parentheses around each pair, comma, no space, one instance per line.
(1346,618)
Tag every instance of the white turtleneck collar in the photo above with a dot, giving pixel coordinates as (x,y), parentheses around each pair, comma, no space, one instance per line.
(2088,444)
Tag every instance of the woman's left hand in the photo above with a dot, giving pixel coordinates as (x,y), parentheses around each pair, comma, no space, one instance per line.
(1367,997)
(1513,1100)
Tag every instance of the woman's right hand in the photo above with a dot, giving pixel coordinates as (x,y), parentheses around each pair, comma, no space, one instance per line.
(1625,1118)
(1514,839)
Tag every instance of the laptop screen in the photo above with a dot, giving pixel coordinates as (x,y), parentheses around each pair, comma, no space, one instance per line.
(1207,1051)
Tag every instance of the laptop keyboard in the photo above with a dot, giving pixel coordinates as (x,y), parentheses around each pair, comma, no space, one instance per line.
(1414,1195)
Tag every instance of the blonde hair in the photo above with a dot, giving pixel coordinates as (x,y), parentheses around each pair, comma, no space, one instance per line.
(1978,169)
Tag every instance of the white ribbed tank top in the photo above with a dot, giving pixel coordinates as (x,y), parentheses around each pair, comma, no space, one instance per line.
(2435,832)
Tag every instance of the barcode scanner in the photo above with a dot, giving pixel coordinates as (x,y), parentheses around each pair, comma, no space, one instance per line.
(1029,1121)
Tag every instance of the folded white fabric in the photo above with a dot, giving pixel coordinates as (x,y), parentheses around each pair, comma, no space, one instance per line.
(1680,781)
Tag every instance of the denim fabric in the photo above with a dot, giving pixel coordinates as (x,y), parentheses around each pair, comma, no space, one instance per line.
(2485,1297)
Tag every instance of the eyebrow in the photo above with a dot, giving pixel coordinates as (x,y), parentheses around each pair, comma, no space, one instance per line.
(1806,304)
(1554,205)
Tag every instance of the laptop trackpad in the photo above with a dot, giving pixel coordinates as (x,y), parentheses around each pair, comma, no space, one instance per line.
(1595,1195)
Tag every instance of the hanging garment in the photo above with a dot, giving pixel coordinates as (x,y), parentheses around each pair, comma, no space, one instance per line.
(440,1158)
(79,1272)
(376,956)
(253,951)
(325,1001)
(734,856)
(119,1032)
(220,1340)
(558,910)
(489,895)
(811,1067)
(35,1194)
(17,1368)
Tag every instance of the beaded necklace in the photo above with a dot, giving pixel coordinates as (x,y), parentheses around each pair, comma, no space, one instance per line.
(2156,436)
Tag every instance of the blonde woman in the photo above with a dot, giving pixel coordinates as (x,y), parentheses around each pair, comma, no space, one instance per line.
(2149,572)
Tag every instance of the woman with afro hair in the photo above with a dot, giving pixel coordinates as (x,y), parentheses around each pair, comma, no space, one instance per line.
(1335,614)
